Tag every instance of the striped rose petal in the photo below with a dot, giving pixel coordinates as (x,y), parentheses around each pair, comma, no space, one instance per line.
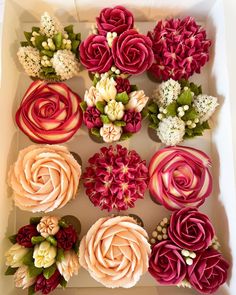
(49,112)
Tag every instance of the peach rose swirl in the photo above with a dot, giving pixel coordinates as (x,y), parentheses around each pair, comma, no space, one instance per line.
(115,251)
(44,178)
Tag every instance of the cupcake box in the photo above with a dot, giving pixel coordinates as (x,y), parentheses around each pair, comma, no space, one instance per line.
(215,78)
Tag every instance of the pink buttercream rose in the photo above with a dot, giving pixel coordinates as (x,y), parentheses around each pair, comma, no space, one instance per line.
(132,52)
(92,118)
(117,19)
(133,121)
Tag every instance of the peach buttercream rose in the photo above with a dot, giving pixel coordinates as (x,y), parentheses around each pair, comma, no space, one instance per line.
(44,178)
(115,251)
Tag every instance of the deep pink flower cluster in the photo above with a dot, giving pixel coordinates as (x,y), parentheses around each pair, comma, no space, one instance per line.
(131,52)
(180,48)
(189,230)
(116,178)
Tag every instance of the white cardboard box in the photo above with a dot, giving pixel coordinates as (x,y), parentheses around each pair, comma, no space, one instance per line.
(216,79)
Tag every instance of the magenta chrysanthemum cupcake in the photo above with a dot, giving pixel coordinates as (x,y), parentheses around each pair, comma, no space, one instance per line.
(186,253)
(180,47)
(115,178)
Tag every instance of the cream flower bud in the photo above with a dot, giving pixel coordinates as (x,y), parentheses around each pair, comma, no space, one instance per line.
(15,255)
(48,226)
(110,132)
(137,101)
(114,110)
(44,255)
(69,265)
(22,278)
(106,88)
(91,96)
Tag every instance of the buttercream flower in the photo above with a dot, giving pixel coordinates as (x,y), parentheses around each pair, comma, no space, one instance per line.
(46,286)
(123,85)
(49,113)
(114,110)
(117,19)
(115,251)
(48,226)
(66,238)
(191,229)
(50,25)
(116,178)
(180,177)
(166,263)
(25,234)
(22,278)
(29,58)
(44,178)
(133,121)
(205,106)
(106,89)
(167,92)
(171,130)
(44,255)
(180,48)
(110,132)
(15,254)
(208,271)
(91,97)
(95,54)
(137,101)
(132,52)
(69,265)
(92,118)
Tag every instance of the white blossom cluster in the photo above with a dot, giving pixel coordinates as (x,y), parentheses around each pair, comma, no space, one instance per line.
(167,92)
(50,25)
(65,64)
(29,57)
(205,106)
(171,130)
(185,284)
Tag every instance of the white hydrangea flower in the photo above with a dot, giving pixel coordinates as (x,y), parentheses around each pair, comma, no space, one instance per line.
(29,57)
(205,106)
(50,25)
(171,130)
(65,64)
(114,110)
(167,92)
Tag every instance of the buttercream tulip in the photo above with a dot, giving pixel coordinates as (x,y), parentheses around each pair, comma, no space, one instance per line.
(22,278)
(48,226)
(110,132)
(114,110)
(137,101)
(44,255)
(115,251)
(106,89)
(68,265)
(91,97)
(15,254)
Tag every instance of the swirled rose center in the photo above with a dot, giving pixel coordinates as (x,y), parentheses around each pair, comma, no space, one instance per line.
(183,176)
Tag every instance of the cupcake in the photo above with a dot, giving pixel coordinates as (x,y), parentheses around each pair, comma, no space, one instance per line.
(115,251)
(44,254)
(115,178)
(49,113)
(50,51)
(44,178)
(180,47)
(179,111)
(112,109)
(180,177)
(185,252)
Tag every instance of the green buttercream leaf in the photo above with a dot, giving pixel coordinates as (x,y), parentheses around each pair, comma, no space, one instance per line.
(83,106)
(122,97)
(95,132)
(74,45)
(153,108)
(185,98)
(120,123)
(12,239)
(35,220)
(105,119)
(190,114)
(48,272)
(133,87)
(10,271)
(100,105)
(172,109)
(69,29)
(34,271)
(57,39)
(125,136)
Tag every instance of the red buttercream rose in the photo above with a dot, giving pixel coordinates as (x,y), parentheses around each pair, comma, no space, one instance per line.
(132,52)
(95,54)
(166,263)
(133,121)
(191,229)
(117,19)
(92,117)
(208,271)
(47,286)
(123,85)
(66,238)
(25,234)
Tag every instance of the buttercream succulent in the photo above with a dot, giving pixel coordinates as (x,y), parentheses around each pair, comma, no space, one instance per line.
(180,47)
(179,110)
(112,108)
(183,253)
(50,51)
(115,178)
(47,257)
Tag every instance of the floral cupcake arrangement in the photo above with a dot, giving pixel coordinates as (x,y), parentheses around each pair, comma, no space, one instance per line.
(44,254)
(185,252)
(179,110)
(113,108)
(50,51)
